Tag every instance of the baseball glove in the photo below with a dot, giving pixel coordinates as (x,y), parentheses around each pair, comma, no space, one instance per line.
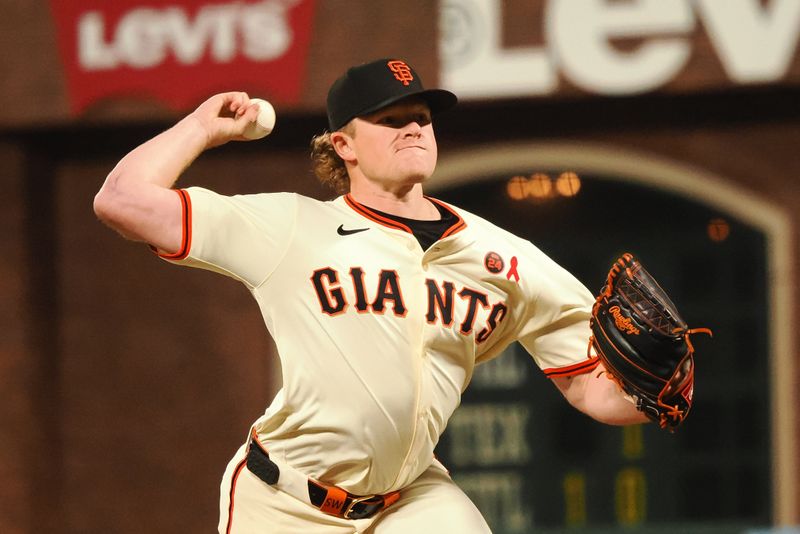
(644,343)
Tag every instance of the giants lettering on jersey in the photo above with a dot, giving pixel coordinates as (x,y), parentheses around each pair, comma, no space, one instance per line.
(333,301)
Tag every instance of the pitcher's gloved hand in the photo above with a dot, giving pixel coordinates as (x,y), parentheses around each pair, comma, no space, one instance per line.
(644,343)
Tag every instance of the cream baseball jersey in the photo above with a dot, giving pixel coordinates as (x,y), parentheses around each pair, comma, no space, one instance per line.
(377,337)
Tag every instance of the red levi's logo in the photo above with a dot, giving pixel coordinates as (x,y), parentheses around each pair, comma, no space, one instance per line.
(181,51)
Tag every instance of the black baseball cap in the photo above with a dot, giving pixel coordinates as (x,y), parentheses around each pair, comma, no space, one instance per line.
(372,86)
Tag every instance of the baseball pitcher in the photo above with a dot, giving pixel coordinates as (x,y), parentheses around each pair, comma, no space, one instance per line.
(381,303)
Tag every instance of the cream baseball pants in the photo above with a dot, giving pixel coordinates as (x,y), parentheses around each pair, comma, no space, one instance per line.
(431,504)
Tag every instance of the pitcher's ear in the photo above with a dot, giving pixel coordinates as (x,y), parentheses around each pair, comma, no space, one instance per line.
(343,145)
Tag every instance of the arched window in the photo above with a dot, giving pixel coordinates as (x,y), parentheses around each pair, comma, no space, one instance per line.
(524,455)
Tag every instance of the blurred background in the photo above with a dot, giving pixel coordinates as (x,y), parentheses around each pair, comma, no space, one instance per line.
(668,128)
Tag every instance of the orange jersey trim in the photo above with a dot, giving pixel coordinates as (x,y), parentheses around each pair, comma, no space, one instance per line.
(390,223)
(572,370)
(371,215)
(186,230)
(457,226)
(236,473)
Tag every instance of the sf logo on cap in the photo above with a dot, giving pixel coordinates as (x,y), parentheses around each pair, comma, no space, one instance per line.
(401,71)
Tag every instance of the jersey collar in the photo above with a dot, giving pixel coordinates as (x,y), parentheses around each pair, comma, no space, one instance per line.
(370,214)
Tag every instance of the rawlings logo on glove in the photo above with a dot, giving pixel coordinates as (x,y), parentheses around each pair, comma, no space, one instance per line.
(623,323)
(644,343)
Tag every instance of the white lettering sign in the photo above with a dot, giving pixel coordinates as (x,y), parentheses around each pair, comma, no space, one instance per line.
(474,62)
(580,33)
(144,37)
(754,41)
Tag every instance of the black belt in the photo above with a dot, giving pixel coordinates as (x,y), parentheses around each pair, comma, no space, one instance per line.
(329,499)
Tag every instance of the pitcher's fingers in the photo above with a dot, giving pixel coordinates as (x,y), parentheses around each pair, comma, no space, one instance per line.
(239,103)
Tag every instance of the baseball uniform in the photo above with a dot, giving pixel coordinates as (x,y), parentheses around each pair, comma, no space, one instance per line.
(377,339)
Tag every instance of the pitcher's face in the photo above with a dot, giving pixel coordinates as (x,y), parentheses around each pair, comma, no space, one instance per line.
(396,144)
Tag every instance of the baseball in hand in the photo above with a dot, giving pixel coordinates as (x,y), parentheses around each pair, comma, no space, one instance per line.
(264,123)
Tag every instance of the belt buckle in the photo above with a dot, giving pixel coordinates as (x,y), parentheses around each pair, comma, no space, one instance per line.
(355,501)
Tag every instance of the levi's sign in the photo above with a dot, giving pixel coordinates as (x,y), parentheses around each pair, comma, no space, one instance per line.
(179,51)
(751,42)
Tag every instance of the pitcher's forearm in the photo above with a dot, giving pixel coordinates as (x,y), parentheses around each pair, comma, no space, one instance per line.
(600,398)
(161,160)
(606,402)
(136,198)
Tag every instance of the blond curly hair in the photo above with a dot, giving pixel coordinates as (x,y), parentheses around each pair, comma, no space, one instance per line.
(328,167)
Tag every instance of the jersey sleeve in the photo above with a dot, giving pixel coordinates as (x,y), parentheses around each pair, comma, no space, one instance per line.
(243,236)
(555,331)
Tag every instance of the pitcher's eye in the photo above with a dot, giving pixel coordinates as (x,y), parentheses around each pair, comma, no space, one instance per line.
(422,119)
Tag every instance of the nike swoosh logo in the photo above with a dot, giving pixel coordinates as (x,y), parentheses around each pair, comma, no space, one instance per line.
(342,231)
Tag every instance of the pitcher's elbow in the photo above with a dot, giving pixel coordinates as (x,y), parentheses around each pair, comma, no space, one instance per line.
(102,205)
(108,202)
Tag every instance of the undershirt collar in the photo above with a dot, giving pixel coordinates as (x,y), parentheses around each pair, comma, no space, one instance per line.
(426,232)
